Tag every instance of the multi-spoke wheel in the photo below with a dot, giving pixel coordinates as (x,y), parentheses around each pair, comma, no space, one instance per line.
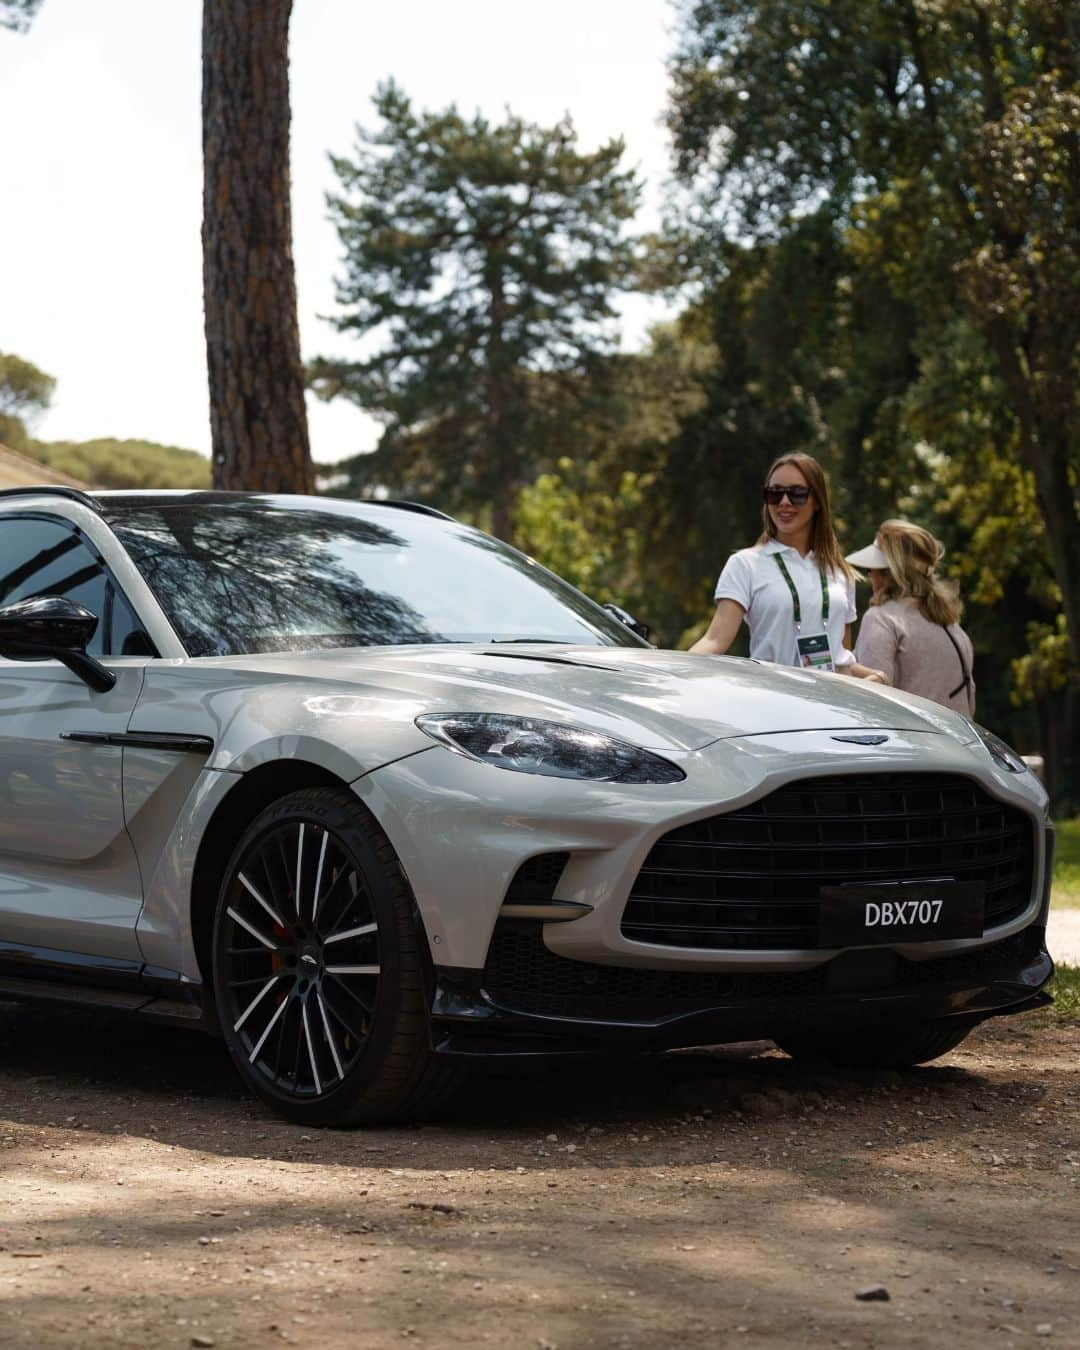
(318,973)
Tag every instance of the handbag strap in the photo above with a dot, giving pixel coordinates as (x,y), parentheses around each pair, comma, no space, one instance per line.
(965,683)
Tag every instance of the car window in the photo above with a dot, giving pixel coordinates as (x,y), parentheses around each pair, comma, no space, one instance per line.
(258,576)
(39,556)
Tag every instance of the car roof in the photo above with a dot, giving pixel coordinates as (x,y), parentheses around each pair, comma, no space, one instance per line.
(122,499)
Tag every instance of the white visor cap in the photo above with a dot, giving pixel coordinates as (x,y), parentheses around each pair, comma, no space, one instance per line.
(870,556)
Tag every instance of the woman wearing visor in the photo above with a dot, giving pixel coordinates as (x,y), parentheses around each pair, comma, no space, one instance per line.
(912,628)
(793,588)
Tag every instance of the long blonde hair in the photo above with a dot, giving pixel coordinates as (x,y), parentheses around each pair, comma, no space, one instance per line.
(913,554)
(822,536)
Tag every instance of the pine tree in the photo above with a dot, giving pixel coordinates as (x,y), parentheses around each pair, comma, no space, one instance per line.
(481,260)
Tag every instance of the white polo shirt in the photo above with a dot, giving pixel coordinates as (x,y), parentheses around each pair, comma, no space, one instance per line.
(752,578)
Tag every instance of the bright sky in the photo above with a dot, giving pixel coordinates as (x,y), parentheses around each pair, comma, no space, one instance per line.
(100,261)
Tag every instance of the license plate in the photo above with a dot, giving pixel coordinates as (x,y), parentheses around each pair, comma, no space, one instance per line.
(854,914)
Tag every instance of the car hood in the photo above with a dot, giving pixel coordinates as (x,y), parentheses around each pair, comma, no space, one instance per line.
(656,699)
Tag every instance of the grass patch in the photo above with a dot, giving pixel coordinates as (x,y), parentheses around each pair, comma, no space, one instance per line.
(1066,890)
(1065,987)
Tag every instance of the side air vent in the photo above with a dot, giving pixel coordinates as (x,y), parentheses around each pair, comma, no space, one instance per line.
(531,894)
(535,880)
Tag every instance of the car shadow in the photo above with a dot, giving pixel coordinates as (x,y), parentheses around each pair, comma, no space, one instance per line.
(101,1074)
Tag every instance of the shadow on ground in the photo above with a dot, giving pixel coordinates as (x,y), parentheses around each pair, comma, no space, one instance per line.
(177,1086)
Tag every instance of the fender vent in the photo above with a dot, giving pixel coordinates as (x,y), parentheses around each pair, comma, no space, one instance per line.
(535,880)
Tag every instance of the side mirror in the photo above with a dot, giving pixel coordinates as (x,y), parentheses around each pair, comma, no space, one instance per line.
(50,627)
(641,629)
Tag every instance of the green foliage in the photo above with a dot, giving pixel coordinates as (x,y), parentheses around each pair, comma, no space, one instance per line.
(24,388)
(13,433)
(588,528)
(600,515)
(1065,988)
(111,463)
(942,139)
(481,259)
(806,352)
(1066,888)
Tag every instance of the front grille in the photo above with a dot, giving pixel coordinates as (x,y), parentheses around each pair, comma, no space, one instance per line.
(750,879)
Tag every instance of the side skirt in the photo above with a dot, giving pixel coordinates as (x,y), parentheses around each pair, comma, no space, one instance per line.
(47,975)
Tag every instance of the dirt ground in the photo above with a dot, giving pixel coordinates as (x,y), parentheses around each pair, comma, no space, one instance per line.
(727,1198)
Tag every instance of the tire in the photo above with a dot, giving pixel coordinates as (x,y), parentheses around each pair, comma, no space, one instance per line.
(883,1048)
(319,968)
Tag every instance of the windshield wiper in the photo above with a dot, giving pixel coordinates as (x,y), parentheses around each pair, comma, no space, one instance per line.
(557,642)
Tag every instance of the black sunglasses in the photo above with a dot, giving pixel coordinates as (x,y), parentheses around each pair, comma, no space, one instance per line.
(797,496)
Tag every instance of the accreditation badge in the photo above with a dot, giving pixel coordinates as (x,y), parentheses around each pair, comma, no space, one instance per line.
(814,653)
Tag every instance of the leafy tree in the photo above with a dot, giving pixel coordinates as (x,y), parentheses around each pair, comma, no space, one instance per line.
(945,135)
(111,463)
(481,260)
(592,517)
(24,391)
(258,420)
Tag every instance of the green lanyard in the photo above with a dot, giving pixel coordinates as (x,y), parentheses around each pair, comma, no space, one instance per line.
(795,594)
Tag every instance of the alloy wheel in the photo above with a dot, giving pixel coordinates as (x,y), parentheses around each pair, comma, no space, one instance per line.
(299,958)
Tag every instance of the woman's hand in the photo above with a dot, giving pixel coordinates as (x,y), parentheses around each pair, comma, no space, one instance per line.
(867,673)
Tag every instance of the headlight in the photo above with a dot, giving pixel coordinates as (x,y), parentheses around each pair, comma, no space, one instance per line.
(531,745)
(1004,756)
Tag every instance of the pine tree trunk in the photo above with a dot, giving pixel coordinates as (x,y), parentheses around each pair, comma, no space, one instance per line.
(258,420)
(501,449)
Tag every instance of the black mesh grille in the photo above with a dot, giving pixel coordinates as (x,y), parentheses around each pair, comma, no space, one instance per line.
(522,974)
(536,879)
(751,878)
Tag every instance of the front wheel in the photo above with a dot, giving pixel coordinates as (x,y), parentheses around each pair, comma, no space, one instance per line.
(318,967)
(883,1048)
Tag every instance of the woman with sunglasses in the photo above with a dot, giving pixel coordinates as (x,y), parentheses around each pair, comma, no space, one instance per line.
(793,588)
(912,628)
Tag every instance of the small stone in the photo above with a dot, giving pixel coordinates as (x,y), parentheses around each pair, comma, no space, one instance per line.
(1044,1329)
(203,1342)
(872,1293)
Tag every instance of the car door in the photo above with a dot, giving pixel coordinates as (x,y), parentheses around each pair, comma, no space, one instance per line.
(69,880)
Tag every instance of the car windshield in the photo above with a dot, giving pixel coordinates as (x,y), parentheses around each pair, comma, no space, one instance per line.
(270,575)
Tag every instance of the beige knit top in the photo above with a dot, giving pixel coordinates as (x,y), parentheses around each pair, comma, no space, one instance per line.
(917,655)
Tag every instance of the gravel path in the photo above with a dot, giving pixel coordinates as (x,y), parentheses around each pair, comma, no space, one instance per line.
(733,1199)
(1063,936)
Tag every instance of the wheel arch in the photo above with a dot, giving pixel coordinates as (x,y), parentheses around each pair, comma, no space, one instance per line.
(254,790)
